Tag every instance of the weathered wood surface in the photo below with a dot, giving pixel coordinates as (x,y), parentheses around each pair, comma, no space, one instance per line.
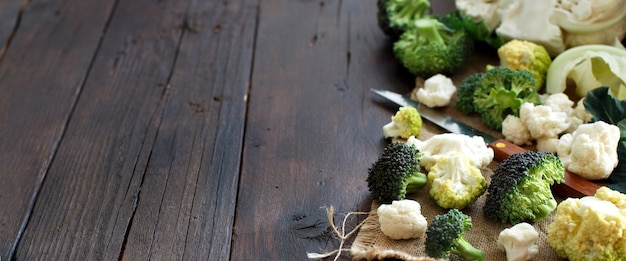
(186,129)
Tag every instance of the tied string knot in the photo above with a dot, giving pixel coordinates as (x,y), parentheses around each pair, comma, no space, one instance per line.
(343,236)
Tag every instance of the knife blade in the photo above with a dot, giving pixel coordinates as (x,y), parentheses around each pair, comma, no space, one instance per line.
(572,186)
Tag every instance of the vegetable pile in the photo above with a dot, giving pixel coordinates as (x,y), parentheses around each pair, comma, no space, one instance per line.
(544,47)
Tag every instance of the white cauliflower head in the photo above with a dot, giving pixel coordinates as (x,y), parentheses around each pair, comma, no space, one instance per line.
(542,121)
(437,91)
(479,154)
(402,219)
(591,150)
(519,242)
(480,10)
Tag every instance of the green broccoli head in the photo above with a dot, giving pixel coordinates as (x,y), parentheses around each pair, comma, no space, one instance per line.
(455,182)
(477,30)
(397,16)
(467,87)
(520,187)
(444,237)
(501,92)
(432,48)
(396,173)
(405,123)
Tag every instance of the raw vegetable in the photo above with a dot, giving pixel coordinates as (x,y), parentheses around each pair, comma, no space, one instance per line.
(432,48)
(454,182)
(590,228)
(589,67)
(437,91)
(607,108)
(519,242)
(396,173)
(402,219)
(467,87)
(478,29)
(502,91)
(590,21)
(441,145)
(405,123)
(591,150)
(485,11)
(445,237)
(396,16)
(525,55)
(520,187)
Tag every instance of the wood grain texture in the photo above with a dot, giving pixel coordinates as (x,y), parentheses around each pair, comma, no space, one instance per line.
(148,165)
(41,75)
(313,129)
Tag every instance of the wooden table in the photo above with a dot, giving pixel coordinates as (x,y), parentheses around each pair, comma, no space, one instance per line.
(188,130)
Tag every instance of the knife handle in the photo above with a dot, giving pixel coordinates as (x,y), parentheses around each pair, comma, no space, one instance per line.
(572,186)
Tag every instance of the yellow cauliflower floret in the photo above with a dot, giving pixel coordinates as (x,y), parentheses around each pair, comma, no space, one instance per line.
(525,55)
(590,228)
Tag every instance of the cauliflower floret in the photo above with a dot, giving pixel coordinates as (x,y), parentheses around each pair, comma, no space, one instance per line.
(542,121)
(455,182)
(525,55)
(519,242)
(590,21)
(590,228)
(443,144)
(591,150)
(530,20)
(515,131)
(485,10)
(402,219)
(558,102)
(548,144)
(405,123)
(437,91)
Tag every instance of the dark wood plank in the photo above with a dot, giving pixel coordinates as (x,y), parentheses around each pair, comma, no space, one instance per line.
(10,16)
(313,127)
(41,75)
(186,207)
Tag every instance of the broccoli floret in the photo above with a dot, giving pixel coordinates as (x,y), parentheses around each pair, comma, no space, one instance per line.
(445,236)
(520,187)
(478,30)
(501,92)
(396,173)
(465,100)
(432,48)
(405,123)
(397,16)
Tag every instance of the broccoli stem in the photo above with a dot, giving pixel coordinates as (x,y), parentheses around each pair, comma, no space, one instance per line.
(468,252)
(545,210)
(416,182)
(428,30)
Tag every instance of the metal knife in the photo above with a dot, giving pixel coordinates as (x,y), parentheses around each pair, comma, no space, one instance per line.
(572,186)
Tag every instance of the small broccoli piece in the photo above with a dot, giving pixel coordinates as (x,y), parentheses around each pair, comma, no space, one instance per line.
(465,100)
(478,30)
(405,123)
(455,182)
(397,16)
(444,236)
(520,187)
(432,48)
(501,92)
(396,173)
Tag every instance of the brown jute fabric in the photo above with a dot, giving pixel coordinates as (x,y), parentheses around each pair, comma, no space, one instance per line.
(371,244)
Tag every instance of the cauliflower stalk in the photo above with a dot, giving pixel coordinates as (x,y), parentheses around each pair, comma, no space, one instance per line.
(591,150)
(405,123)
(525,55)
(519,242)
(437,91)
(590,228)
(442,145)
(455,182)
(402,219)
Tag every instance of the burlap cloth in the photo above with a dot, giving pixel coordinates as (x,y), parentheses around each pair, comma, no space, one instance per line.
(371,244)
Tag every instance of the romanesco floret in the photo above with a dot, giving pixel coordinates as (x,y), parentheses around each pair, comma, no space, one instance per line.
(520,187)
(590,228)
(455,182)
(405,123)
(525,55)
